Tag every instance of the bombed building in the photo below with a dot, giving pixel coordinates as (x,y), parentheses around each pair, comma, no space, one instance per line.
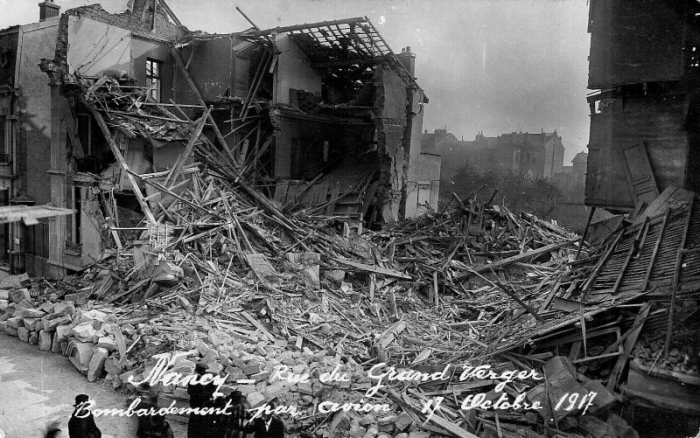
(323,117)
(644,72)
(220,183)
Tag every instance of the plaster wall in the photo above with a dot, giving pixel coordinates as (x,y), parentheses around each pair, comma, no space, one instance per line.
(142,50)
(36,41)
(94,47)
(293,71)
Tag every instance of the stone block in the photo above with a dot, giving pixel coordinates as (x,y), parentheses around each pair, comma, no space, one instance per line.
(18,295)
(3,326)
(372,432)
(52,324)
(306,388)
(55,344)
(77,298)
(246,389)
(254,399)
(32,323)
(62,332)
(84,332)
(386,428)
(3,305)
(34,338)
(47,307)
(11,331)
(275,389)
(97,364)
(261,376)
(64,308)
(403,422)
(45,340)
(15,322)
(107,343)
(32,313)
(23,334)
(4,294)
(387,419)
(418,434)
(251,368)
(181,393)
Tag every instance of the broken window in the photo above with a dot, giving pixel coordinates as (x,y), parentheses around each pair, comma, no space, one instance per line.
(5,143)
(74,244)
(153,78)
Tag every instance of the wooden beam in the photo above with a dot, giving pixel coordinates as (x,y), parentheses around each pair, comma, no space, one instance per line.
(629,345)
(512,295)
(306,26)
(375,269)
(188,149)
(120,159)
(647,274)
(676,277)
(591,279)
(515,259)
(633,249)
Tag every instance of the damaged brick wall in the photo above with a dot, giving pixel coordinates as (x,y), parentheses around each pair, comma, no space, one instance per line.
(139,22)
(390,123)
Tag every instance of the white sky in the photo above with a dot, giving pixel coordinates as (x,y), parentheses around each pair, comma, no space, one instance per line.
(495,66)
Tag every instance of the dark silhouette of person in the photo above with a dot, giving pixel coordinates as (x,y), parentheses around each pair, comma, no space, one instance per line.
(147,424)
(200,396)
(266,426)
(215,425)
(82,422)
(234,423)
(159,428)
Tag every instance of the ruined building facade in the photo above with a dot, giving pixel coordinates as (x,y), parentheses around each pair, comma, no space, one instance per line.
(644,70)
(323,118)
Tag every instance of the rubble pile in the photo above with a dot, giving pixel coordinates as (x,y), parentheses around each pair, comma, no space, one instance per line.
(220,299)
(222,275)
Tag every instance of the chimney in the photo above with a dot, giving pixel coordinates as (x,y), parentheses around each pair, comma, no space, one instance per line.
(408,59)
(48,9)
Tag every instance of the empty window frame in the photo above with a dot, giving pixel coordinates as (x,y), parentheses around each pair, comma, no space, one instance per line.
(153,78)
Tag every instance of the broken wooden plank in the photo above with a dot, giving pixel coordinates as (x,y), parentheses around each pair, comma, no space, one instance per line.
(518,258)
(616,372)
(261,266)
(375,269)
(512,294)
(175,171)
